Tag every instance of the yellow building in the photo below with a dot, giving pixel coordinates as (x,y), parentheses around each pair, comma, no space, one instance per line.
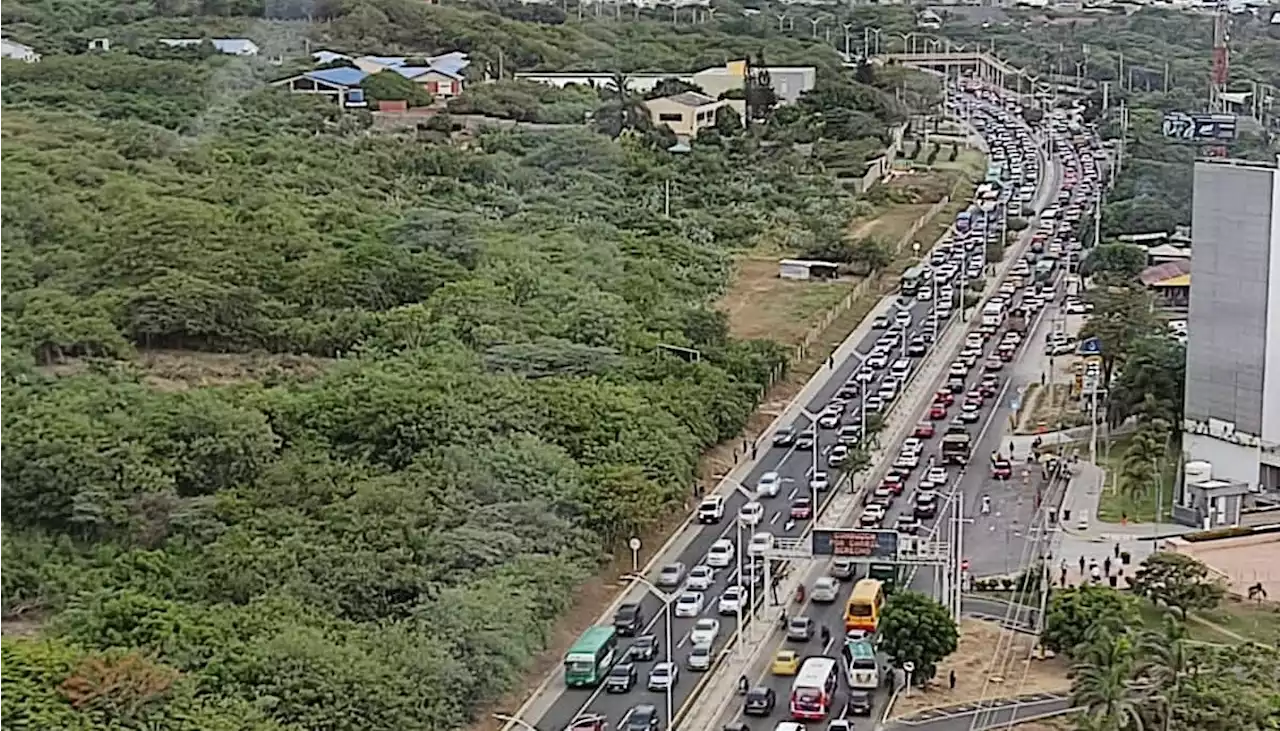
(686,113)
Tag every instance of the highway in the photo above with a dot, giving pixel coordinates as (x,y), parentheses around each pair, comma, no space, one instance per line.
(794,467)
(986,554)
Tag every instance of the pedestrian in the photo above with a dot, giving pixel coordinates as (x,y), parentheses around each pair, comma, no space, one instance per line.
(1106,565)
(1116,550)
(1094,574)
(1082,565)
(1042,379)
(753,452)
(952,679)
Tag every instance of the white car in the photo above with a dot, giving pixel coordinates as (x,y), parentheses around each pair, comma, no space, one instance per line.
(958,370)
(924,294)
(663,676)
(721,554)
(760,543)
(877,361)
(689,604)
(937,475)
(903,318)
(912,445)
(701,578)
(704,633)
(751,513)
(973,340)
(731,600)
(769,485)
(819,481)
(825,590)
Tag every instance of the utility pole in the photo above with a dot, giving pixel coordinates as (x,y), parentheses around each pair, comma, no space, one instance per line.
(847,27)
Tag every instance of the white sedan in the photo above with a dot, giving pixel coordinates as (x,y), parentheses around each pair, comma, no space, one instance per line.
(937,475)
(751,513)
(701,578)
(760,543)
(704,633)
(819,481)
(731,600)
(689,604)
(721,554)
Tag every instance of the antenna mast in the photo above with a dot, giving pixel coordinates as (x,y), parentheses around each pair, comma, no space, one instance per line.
(1221,59)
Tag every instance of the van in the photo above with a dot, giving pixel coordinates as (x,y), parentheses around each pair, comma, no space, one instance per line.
(900,368)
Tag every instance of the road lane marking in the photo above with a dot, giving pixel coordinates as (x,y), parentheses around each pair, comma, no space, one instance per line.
(775,517)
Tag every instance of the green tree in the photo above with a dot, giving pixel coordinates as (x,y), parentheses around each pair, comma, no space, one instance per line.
(623,110)
(1177,581)
(918,629)
(1103,685)
(1118,263)
(1073,612)
(391,86)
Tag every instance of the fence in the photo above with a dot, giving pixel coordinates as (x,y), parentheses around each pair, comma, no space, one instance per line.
(878,168)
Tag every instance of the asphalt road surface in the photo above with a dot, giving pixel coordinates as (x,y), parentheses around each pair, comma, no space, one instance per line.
(794,467)
(968,486)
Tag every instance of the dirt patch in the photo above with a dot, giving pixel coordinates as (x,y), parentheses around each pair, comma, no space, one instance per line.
(894,223)
(760,304)
(1049,409)
(989,663)
(178,370)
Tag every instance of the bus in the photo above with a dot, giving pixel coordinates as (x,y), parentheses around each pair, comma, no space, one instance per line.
(814,689)
(863,610)
(590,658)
(885,573)
(862,668)
(911,279)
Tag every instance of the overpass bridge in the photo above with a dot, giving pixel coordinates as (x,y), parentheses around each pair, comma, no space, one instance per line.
(982,65)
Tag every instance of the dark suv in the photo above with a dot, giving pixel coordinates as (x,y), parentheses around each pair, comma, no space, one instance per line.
(621,678)
(628,620)
(760,702)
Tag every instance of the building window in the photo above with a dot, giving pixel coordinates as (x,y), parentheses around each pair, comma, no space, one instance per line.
(668,117)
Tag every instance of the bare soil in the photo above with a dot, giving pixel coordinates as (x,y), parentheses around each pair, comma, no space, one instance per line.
(989,663)
(760,304)
(1047,408)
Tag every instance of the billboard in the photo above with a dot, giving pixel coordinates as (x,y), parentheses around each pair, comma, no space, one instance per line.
(1207,128)
(855,543)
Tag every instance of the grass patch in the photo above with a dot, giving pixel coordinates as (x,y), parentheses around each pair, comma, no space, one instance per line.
(1116,505)
(760,304)
(1233,622)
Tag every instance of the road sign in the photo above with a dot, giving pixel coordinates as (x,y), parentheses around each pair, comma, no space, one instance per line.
(1199,127)
(855,543)
(909,666)
(1089,346)
(634,543)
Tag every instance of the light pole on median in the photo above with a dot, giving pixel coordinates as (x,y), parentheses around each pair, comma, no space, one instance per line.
(667,600)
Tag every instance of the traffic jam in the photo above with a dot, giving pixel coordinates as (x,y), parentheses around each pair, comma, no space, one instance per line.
(826,668)
(636,669)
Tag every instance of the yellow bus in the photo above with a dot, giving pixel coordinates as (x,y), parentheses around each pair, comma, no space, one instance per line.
(863,610)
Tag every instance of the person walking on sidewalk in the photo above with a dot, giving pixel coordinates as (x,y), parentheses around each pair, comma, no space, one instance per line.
(1106,566)
(1082,565)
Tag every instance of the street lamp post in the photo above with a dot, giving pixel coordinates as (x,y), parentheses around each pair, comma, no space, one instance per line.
(847,27)
(666,600)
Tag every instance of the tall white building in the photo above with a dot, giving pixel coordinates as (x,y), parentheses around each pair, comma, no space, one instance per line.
(1232,405)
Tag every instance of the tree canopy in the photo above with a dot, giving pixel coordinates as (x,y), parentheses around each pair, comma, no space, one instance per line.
(916,628)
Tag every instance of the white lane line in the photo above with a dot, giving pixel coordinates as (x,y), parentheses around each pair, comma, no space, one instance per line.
(775,517)
(683,639)
(792,495)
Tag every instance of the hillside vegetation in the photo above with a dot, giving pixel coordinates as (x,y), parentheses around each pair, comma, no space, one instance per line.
(386,543)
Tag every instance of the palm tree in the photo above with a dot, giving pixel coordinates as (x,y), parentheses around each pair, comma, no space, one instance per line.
(624,109)
(1164,666)
(1103,686)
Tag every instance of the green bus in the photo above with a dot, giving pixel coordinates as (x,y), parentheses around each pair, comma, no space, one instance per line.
(590,658)
(886,573)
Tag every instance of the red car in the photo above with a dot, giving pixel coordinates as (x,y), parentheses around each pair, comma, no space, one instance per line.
(944,396)
(976,395)
(924,430)
(801,509)
(894,483)
(938,411)
(989,387)
(1001,469)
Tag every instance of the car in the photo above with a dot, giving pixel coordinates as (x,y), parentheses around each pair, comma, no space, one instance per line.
(937,411)
(671,575)
(895,482)
(958,370)
(751,514)
(711,509)
(643,649)
(902,318)
(760,544)
(806,439)
(975,395)
(973,340)
(970,413)
(907,524)
(699,659)
(704,632)
(1001,469)
(881,322)
(858,704)
(944,397)
(990,385)
(819,481)
(912,445)
(882,497)
(924,294)
(877,360)
(731,601)
(721,554)
(923,430)
(872,516)
(844,568)
(800,629)
(629,619)
(760,701)
(873,404)
(701,578)
(785,662)
(801,508)
(643,717)
(621,679)
(830,418)
(689,604)
(838,456)
(993,364)
(955,385)
(936,475)
(769,485)
(917,347)
(663,675)
(926,505)
(907,462)
(866,375)
(825,590)
(784,437)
